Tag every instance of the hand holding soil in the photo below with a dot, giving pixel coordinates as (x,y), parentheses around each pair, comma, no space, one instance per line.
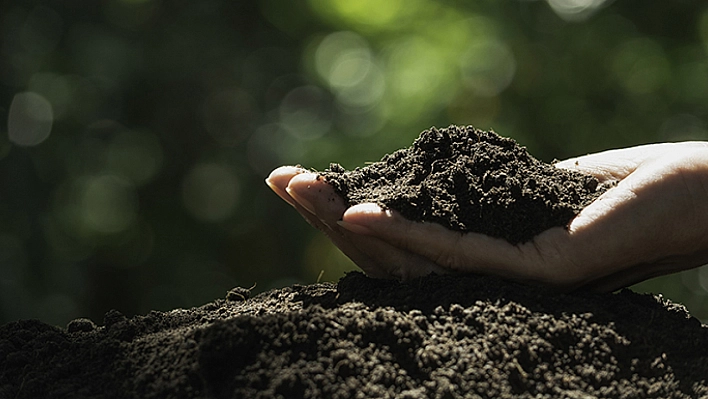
(651,222)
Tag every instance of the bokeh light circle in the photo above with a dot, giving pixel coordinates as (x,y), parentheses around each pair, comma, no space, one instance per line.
(30,119)
(108,204)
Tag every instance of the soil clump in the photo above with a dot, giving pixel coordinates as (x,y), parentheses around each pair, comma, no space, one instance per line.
(434,337)
(470,180)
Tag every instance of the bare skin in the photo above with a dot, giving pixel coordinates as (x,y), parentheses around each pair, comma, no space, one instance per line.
(653,222)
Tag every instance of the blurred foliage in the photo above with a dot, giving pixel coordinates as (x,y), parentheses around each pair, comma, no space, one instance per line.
(135,134)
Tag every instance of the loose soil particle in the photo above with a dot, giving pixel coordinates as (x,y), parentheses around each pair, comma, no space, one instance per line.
(470,180)
(434,337)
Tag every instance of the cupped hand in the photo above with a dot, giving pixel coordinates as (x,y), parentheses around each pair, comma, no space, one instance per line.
(653,222)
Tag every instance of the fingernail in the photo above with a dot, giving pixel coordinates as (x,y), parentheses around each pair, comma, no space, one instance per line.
(367,208)
(301,201)
(355,228)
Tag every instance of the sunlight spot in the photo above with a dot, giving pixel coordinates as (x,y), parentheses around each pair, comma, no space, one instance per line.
(306,112)
(345,61)
(575,10)
(108,204)
(364,14)
(487,67)
(30,119)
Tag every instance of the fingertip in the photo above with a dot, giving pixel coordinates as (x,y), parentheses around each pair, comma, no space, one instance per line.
(366,208)
(279,178)
(365,213)
(287,170)
(313,193)
(300,189)
(303,177)
(572,163)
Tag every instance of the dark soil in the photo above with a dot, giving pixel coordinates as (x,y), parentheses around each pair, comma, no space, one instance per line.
(435,337)
(470,180)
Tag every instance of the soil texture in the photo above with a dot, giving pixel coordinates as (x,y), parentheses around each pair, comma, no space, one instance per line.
(434,337)
(471,181)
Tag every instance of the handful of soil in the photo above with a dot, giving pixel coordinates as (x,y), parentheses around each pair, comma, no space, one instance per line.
(470,180)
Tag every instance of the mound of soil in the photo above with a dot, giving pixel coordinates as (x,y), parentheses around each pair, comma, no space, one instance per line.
(470,180)
(435,337)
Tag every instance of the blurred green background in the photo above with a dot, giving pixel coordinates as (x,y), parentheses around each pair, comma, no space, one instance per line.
(135,134)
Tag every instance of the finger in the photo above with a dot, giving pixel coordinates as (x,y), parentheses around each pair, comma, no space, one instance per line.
(454,251)
(279,178)
(314,194)
(618,164)
(279,181)
(607,165)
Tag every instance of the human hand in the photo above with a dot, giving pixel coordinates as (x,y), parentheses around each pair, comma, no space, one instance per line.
(652,222)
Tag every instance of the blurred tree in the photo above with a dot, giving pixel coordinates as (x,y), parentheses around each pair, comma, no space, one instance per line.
(135,134)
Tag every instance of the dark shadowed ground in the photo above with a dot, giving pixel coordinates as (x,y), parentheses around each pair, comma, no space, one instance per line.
(436,337)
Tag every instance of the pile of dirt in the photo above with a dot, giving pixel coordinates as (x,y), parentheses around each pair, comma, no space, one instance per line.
(470,180)
(435,337)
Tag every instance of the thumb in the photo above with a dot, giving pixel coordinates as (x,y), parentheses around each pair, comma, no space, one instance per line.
(615,165)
